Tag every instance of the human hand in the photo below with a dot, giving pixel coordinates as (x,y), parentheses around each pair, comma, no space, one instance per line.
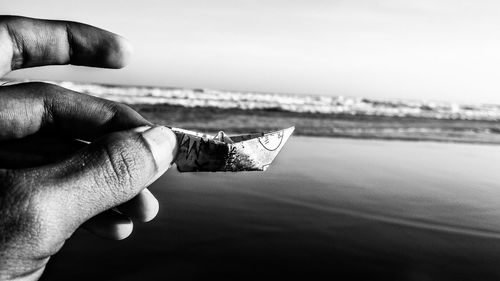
(51,184)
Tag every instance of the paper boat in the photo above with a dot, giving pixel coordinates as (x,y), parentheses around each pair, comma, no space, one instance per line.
(199,152)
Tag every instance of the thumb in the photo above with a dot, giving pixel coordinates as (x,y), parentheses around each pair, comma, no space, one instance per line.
(110,171)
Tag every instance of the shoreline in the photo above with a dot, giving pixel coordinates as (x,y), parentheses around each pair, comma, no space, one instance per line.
(235,121)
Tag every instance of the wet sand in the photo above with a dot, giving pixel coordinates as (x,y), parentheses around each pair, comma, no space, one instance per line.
(327,209)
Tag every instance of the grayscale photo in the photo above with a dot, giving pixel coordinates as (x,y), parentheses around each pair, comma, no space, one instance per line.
(250,140)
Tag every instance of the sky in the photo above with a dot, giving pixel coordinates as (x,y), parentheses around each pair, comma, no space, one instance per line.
(428,49)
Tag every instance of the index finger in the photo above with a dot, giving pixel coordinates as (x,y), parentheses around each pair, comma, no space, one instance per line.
(27,42)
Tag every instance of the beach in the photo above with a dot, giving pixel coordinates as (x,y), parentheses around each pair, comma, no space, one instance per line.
(209,111)
(326,209)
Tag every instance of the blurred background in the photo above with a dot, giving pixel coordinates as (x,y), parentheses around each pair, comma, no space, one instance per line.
(440,50)
(392,173)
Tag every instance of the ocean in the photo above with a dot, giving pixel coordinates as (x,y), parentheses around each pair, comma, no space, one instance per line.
(365,190)
(312,115)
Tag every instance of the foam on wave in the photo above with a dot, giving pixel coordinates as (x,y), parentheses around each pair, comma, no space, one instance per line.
(314,104)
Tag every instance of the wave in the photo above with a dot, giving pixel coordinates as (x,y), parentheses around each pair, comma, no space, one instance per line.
(313,104)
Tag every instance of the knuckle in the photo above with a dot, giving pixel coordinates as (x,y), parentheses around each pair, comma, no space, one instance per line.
(124,116)
(16,194)
(43,86)
(26,215)
(46,90)
(124,165)
(22,196)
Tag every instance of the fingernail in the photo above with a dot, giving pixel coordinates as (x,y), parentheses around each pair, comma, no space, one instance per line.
(141,129)
(123,52)
(163,145)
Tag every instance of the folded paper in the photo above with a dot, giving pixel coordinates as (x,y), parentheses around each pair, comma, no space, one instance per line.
(199,152)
